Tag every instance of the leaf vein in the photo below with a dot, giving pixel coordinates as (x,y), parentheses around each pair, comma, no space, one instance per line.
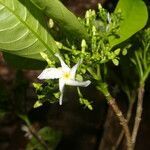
(9,28)
(29,28)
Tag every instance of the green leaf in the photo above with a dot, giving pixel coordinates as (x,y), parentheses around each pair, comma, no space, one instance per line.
(85,102)
(50,136)
(66,20)
(135,16)
(25,119)
(37,104)
(23,30)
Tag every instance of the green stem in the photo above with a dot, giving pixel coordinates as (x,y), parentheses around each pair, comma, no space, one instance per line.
(66,48)
(145,55)
(146,74)
(90,70)
(79,92)
(99,72)
(139,65)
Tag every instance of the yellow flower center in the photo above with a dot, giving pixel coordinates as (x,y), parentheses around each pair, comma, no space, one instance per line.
(66,75)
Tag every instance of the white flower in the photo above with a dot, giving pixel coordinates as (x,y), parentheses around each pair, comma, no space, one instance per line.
(65,75)
(27,131)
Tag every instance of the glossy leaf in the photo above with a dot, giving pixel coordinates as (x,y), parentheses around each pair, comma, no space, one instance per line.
(65,19)
(22,33)
(135,15)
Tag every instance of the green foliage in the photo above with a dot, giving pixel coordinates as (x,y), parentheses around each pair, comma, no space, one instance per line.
(50,137)
(19,19)
(101,27)
(95,53)
(25,119)
(46,92)
(23,30)
(86,103)
(98,33)
(65,19)
(83,101)
(98,50)
(141,58)
(135,15)
(134,69)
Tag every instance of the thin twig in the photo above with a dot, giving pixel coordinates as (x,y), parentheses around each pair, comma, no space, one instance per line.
(38,138)
(123,121)
(138,114)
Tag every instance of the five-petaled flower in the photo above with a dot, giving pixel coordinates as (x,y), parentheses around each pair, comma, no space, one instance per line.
(65,75)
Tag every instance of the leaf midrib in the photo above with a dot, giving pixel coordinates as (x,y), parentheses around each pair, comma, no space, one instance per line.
(29,28)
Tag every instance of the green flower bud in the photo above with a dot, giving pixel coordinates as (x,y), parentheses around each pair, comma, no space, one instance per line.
(83,44)
(79,77)
(99,6)
(60,45)
(117,51)
(87,16)
(94,30)
(115,62)
(44,55)
(37,104)
(51,23)
(124,52)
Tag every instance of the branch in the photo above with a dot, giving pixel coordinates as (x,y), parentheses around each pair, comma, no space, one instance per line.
(138,114)
(38,138)
(103,87)
(122,120)
(129,112)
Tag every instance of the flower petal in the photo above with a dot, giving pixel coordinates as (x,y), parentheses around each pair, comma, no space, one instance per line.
(24,128)
(77,83)
(74,69)
(61,98)
(51,73)
(61,88)
(63,65)
(61,85)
